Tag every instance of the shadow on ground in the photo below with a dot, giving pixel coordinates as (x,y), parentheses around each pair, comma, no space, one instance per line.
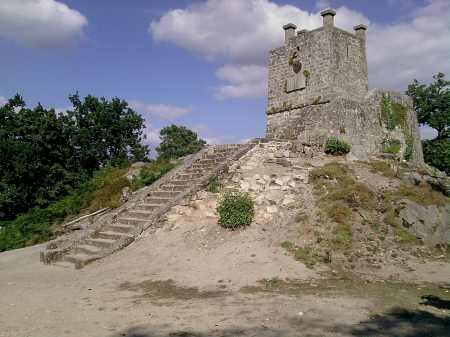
(397,322)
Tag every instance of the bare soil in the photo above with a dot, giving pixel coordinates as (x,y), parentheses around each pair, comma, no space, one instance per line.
(198,279)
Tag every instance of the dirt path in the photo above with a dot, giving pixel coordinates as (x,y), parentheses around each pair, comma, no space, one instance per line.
(129,293)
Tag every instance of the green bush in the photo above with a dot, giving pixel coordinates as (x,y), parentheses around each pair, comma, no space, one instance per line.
(336,147)
(235,209)
(214,184)
(391,146)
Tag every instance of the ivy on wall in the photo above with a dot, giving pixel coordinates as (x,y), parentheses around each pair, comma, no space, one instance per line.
(393,114)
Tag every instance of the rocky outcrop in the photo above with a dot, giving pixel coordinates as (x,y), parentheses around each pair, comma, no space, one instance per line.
(431,225)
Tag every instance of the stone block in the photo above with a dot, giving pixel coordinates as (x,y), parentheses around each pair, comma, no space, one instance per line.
(174,217)
(202,195)
(210,215)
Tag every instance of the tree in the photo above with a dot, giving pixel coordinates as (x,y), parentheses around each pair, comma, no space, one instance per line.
(104,132)
(432,104)
(178,141)
(44,155)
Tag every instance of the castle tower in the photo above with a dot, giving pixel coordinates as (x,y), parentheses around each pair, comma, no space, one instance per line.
(319,86)
(319,66)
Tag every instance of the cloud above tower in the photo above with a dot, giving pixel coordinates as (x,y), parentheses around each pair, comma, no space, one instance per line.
(42,25)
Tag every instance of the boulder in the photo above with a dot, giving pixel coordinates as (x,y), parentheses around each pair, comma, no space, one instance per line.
(431,225)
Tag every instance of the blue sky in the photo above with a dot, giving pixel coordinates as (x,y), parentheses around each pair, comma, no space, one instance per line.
(199,64)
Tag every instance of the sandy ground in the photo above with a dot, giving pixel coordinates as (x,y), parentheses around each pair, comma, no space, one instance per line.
(128,293)
(194,280)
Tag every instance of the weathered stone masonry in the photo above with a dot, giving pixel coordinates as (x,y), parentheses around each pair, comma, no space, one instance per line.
(319,87)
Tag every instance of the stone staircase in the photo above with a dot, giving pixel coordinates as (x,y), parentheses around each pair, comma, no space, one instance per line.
(117,229)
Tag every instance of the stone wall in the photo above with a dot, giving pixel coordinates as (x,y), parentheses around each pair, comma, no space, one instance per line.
(357,123)
(326,64)
(318,88)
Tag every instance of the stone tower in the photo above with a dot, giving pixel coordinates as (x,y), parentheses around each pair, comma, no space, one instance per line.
(319,88)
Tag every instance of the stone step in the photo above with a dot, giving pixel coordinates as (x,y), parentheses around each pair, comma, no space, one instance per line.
(112,235)
(157,200)
(139,213)
(177,188)
(196,170)
(74,258)
(182,182)
(129,221)
(164,194)
(187,176)
(204,162)
(120,228)
(148,207)
(86,249)
(100,243)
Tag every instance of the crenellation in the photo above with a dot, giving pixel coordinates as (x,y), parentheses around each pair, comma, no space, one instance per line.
(319,86)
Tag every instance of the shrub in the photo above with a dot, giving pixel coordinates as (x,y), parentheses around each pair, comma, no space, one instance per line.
(391,146)
(235,209)
(214,184)
(336,147)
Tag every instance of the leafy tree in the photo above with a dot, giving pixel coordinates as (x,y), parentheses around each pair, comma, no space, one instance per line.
(104,132)
(44,155)
(178,141)
(432,104)
(437,153)
(33,149)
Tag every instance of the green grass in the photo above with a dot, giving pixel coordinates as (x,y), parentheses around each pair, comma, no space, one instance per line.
(303,254)
(103,190)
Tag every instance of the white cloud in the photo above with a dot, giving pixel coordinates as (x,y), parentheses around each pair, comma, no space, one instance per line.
(418,49)
(44,25)
(222,139)
(322,4)
(427,132)
(242,33)
(3,101)
(64,109)
(246,81)
(164,112)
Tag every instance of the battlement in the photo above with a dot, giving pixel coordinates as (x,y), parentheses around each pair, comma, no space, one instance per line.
(318,66)
(319,87)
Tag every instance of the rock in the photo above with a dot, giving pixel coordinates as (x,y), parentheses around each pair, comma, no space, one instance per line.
(272,209)
(413,178)
(210,215)
(287,201)
(279,182)
(291,183)
(174,217)
(358,152)
(126,194)
(256,177)
(197,204)
(245,185)
(275,196)
(431,224)
(202,195)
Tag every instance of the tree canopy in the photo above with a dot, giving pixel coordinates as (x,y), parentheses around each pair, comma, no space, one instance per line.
(178,141)
(432,103)
(44,154)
